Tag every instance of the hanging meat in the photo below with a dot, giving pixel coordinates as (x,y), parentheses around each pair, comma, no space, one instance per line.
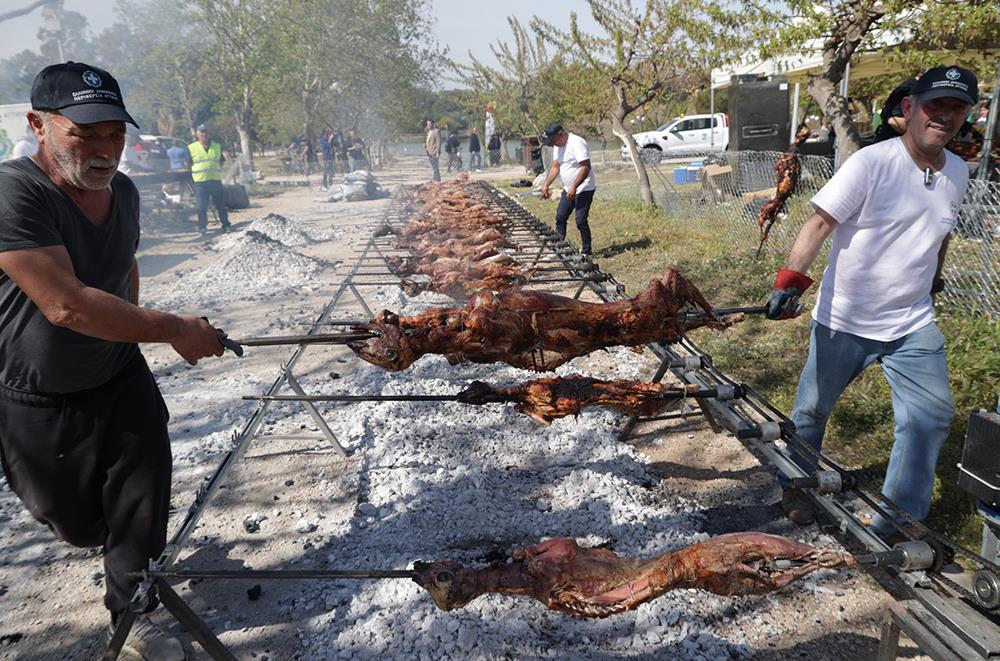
(787,170)
(546,399)
(595,582)
(536,330)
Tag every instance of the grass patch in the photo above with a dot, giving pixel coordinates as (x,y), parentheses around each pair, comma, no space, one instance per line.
(636,243)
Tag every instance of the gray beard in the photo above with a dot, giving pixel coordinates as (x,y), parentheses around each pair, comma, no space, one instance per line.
(74,171)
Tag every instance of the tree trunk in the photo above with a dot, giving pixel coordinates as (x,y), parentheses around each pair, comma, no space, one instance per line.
(837,111)
(618,128)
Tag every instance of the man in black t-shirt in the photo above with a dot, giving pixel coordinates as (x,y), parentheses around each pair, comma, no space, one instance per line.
(83,433)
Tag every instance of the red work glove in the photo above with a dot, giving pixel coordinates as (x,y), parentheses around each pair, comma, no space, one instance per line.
(789,285)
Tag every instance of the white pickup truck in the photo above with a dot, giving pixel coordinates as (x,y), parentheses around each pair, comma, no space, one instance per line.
(690,134)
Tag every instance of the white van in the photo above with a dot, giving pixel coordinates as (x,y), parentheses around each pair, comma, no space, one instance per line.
(687,135)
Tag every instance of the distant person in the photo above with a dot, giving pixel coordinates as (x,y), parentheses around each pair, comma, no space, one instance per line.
(26,146)
(571,163)
(493,147)
(178,155)
(83,427)
(890,209)
(454,149)
(132,161)
(326,153)
(432,145)
(206,173)
(982,118)
(893,122)
(475,151)
(490,127)
(355,148)
(339,153)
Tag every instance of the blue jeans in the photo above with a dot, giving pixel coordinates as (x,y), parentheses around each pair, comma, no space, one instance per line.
(917,372)
(214,190)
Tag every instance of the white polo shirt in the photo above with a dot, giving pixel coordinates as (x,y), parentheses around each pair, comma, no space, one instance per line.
(570,155)
(884,254)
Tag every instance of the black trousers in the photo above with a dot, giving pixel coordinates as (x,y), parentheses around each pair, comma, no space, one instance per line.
(581,204)
(95,467)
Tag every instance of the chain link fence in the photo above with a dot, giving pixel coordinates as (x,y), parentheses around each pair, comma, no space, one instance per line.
(729,188)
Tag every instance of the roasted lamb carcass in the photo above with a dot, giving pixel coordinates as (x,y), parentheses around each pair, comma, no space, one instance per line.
(482,261)
(462,283)
(787,170)
(458,240)
(536,330)
(594,582)
(451,225)
(544,400)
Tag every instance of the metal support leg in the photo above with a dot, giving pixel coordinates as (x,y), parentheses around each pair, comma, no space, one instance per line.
(888,644)
(634,419)
(361,300)
(124,626)
(192,623)
(311,409)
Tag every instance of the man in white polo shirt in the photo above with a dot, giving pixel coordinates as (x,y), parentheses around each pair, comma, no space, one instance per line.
(890,208)
(571,163)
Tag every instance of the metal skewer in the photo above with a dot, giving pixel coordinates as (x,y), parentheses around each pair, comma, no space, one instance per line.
(289,574)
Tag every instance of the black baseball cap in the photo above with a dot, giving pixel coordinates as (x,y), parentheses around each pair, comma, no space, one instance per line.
(85,94)
(552,131)
(947,81)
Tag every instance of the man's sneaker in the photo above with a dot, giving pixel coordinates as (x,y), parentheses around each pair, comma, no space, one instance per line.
(149,642)
(797,506)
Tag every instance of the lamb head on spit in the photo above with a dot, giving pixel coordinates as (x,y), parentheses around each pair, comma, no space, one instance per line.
(536,330)
(595,582)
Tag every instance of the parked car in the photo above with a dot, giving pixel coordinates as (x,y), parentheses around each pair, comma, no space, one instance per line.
(690,134)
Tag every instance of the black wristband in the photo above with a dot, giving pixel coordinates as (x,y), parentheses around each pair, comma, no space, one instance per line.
(938,286)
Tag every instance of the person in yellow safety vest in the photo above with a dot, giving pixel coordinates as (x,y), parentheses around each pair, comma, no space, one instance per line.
(206,172)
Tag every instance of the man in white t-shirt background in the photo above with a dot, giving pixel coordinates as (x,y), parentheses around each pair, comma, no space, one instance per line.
(891,208)
(571,163)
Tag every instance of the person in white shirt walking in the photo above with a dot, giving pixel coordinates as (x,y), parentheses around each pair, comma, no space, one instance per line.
(571,163)
(890,208)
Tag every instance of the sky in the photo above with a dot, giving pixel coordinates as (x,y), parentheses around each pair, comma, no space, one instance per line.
(461,25)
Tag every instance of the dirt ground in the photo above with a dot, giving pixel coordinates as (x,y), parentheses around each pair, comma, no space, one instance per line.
(50,593)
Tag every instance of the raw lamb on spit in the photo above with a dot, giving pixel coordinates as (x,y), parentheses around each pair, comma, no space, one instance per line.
(546,399)
(536,330)
(595,582)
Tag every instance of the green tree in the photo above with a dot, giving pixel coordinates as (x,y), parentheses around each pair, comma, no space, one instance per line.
(666,48)
(238,38)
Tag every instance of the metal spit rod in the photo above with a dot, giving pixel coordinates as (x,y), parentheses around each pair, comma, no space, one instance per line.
(498,398)
(287,574)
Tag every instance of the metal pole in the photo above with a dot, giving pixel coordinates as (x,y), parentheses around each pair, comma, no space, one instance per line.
(795,113)
(991,127)
(711,108)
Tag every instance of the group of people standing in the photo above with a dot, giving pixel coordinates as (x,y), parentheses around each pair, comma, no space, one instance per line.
(350,152)
(434,142)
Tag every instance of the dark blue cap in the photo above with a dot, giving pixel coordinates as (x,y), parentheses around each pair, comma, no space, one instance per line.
(947,81)
(85,94)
